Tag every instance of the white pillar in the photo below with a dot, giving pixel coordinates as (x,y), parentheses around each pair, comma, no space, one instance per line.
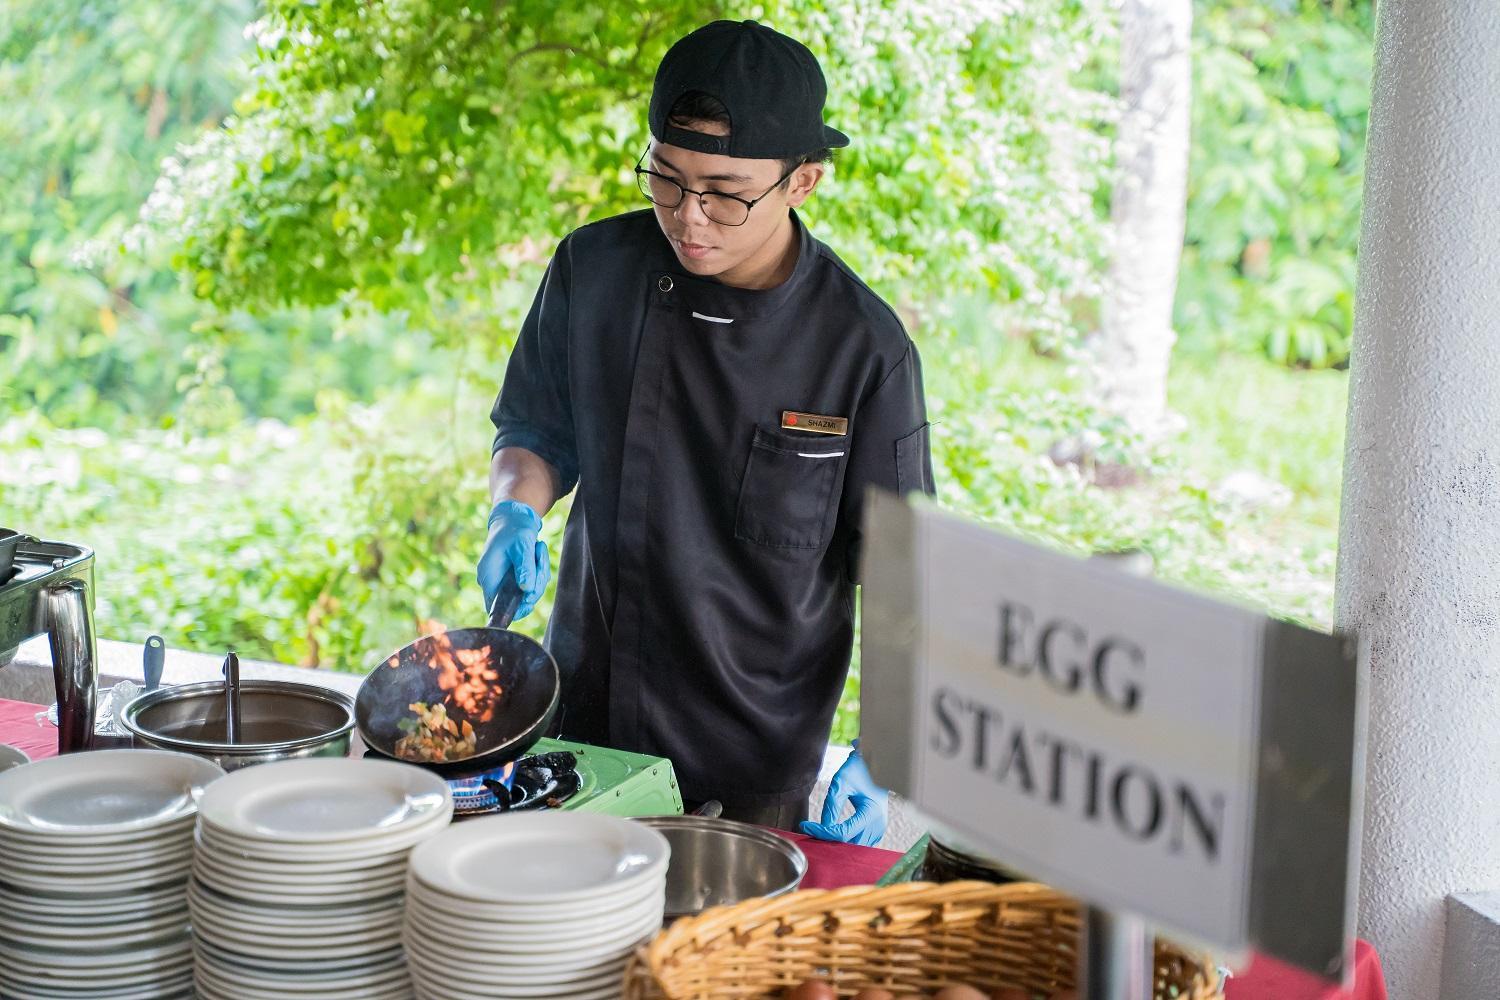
(1419,552)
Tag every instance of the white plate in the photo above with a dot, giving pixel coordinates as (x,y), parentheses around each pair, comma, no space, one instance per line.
(425,913)
(321,896)
(100,881)
(365,973)
(325,800)
(97,845)
(45,966)
(14,924)
(103,792)
(457,980)
(446,992)
(546,857)
(273,873)
(345,853)
(12,757)
(537,914)
(177,986)
(110,905)
(311,948)
(229,853)
(66,861)
(45,937)
(503,958)
(276,915)
(212,986)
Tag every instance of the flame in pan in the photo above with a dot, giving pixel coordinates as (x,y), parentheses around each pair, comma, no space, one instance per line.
(465,675)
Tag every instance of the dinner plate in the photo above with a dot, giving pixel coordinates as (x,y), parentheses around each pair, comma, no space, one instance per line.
(424,991)
(459,983)
(347,944)
(249,911)
(540,858)
(482,939)
(15,924)
(179,985)
(353,852)
(422,915)
(317,895)
(94,845)
(364,973)
(72,862)
(12,757)
(324,800)
(103,792)
(505,960)
(278,875)
(103,964)
(232,854)
(104,880)
(534,915)
(214,987)
(133,902)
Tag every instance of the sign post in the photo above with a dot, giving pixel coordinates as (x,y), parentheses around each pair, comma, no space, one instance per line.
(1157,753)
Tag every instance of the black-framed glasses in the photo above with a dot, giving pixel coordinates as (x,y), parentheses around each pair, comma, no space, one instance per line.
(724,209)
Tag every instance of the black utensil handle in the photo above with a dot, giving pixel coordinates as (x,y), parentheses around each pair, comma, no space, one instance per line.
(153,660)
(506,602)
(712,809)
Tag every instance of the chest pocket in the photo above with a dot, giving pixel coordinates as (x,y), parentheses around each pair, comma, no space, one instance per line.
(786,497)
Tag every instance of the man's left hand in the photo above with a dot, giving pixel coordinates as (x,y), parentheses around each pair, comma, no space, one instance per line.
(852,785)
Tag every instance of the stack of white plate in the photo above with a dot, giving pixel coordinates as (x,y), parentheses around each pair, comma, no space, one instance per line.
(298,878)
(544,904)
(94,857)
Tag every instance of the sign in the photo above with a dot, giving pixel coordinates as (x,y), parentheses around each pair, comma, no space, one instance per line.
(1150,750)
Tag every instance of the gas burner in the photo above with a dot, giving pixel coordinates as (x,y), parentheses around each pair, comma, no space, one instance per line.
(541,781)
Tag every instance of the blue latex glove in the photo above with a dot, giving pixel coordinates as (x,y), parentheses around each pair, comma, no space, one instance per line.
(852,784)
(512,547)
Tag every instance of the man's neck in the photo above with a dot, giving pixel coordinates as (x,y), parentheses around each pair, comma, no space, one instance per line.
(771,265)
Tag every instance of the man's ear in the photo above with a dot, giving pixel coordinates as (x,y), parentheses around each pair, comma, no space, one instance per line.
(802,182)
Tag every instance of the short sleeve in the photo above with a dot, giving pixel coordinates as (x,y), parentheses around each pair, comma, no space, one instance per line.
(890,448)
(534,409)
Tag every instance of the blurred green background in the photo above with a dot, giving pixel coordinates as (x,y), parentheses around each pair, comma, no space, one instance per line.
(261,265)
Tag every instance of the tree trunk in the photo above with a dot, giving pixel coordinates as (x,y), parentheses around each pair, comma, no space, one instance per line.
(1134,346)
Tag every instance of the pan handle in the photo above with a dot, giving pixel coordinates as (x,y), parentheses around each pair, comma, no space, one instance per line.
(502,609)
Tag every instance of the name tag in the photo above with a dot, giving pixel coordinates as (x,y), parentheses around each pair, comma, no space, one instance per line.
(814,423)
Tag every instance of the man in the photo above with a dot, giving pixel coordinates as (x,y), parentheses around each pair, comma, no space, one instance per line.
(722,390)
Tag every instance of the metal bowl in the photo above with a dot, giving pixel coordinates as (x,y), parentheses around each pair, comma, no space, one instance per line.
(279,720)
(720,861)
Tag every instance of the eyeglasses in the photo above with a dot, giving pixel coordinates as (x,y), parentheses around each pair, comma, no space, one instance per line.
(724,209)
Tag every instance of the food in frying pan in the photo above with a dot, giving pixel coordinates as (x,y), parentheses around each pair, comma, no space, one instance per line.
(432,737)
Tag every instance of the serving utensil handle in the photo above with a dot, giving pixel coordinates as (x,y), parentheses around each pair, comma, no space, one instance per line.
(502,610)
(231,698)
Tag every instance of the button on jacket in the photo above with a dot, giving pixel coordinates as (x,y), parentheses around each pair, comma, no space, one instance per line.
(705,593)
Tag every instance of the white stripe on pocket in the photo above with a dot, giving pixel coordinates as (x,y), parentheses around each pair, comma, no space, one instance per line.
(820,454)
(712,319)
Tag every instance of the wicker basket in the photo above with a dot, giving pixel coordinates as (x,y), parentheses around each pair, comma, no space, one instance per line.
(916,936)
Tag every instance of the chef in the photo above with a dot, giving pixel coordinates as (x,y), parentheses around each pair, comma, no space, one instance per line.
(721,390)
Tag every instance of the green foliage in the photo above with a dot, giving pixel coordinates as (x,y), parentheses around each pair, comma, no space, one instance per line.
(358,241)
(405,153)
(1281,96)
(95,96)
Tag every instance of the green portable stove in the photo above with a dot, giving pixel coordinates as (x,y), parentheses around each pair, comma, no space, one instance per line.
(558,774)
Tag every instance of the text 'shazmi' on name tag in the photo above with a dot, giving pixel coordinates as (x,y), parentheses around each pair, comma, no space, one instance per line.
(814,423)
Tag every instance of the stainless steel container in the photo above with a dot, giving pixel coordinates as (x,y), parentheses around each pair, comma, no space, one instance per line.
(279,720)
(720,861)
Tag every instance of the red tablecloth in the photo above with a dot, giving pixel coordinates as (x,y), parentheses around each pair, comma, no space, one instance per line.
(832,866)
(19,728)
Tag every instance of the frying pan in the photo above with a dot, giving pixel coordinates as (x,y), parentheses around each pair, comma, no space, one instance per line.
(528,682)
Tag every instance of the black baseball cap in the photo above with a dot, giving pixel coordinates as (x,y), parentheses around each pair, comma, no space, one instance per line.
(770,84)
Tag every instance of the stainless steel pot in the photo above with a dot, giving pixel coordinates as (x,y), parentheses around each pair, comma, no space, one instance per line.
(279,720)
(720,861)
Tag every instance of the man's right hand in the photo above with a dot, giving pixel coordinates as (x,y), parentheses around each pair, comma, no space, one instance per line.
(513,549)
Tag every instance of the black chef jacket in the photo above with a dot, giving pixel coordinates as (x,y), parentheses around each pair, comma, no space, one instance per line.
(705,595)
